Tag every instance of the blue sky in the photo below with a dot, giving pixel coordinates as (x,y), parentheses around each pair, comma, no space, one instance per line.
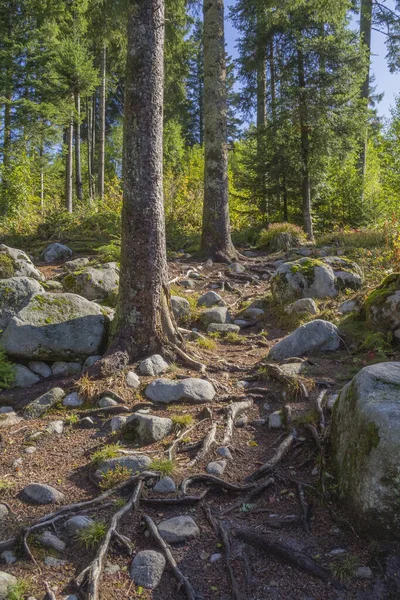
(384,80)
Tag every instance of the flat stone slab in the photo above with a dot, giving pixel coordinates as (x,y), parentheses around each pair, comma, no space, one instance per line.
(178,529)
(192,389)
(40,493)
(147,568)
(318,335)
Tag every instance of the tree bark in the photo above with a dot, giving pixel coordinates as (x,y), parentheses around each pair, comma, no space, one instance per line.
(78,167)
(41,161)
(261,113)
(144,321)
(102,123)
(93,141)
(216,240)
(365,38)
(69,165)
(305,147)
(89,147)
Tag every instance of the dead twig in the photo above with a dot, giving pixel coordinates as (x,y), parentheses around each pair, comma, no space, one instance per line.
(232,412)
(171,451)
(187,360)
(208,441)
(305,508)
(272,462)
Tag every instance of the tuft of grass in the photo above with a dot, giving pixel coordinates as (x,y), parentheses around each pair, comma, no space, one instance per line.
(7,374)
(110,252)
(362,238)
(5,484)
(343,568)
(181,421)
(108,451)
(87,387)
(163,466)
(113,477)
(281,236)
(71,419)
(91,536)
(234,338)
(17,591)
(207,343)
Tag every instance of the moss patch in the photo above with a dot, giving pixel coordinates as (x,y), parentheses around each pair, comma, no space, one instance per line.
(7,266)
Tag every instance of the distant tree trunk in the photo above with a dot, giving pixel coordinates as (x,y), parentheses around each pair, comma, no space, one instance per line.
(78,166)
(216,240)
(89,148)
(365,37)
(69,165)
(8,98)
(261,114)
(305,147)
(93,153)
(102,124)
(41,152)
(285,199)
(144,322)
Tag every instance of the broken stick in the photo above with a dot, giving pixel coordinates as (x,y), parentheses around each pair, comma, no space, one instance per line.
(232,412)
(267,467)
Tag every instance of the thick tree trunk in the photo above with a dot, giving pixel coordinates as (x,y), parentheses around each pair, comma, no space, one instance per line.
(365,38)
(305,147)
(144,322)
(216,240)
(89,147)
(69,165)
(78,167)
(102,124)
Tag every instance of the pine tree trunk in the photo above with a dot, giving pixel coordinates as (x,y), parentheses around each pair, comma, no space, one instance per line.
(78,167)
(41,152)
(93,152)
(89,147)
(261,116)
(365,37)
(216,240)
(8,98)
(102,124)
(305,147)
(69,165)
(144,322)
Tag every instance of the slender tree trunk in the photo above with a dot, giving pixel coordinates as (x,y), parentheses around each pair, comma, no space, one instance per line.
(365,37)
(102,124)
(89,147)
(8,98)
(144,322)
(41,178)
(305,147)
(261,114)
(93,153)
(78,166)
(216,240)
(285,200)
(69,165)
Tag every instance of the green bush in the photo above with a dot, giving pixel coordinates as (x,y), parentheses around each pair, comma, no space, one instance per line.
(7,374)
(281,236)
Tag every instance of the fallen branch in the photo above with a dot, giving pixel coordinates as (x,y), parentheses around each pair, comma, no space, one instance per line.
(216,481)
(171,451)
(183,580)
(232,412)
(107,410)
(287,555)
(252,494)
(208,441)
(267,467)
(185,500)
(90,577)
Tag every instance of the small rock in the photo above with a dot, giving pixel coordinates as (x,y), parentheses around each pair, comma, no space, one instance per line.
(191,389)
(117,423)
(55,252)
(41,405)
(75,524)
(218,314)
(77,263)
(147,568)
(348,307)
(252,314)
(166,485)
(105,402)
(301,306)
(64,369)
(132,380)
(6,409)
(331,401)
(242,421)
(215,557)
(210,299)
(30,450)
(178,529)
(223,328)
(52,541)
(6,581)
(154,365)
(133,462)
(73,400)
(275,420)
(40,493)
(180,308)
(24,377)
(258,422)
(363,573)
(3,511)
(337,552)
(70,597)
(50,561)
(240,322)
(237,268)
(187,283)
(224,451)
(8,419)
(17,463)
(91,360)
(35,436)
(111,569)
(216,467)
(147,429)
(55,427)
(40,368)
(86,423)
(8,557)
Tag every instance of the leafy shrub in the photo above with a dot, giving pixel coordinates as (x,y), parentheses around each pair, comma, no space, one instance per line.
(91,536)
(110,252)
(354,238)
(281,236)
(108,451)
(7,374)
(111,478)
(163,466)
(181,421)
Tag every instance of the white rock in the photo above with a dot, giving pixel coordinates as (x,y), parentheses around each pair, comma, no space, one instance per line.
(23,377)
(55,427)
(192,389)
(275,420)
(154,365)
(216,467)
(132,380)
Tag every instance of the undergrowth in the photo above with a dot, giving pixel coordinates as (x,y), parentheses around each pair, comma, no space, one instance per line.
(163,466)
(108,451)
(91,536)
(111,478)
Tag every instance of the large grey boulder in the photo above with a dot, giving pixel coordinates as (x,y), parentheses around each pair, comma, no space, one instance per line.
(147,429)
(304,278)
(77,263)
(180,308)
(178,529)
(15,263)
(55,252)
(382,306)
(147,568)
(15,293)
(210,299)
(154,365)
(23,377)
(366,446)
(218,314)
(56,327)
(6,583)
(348,274)
(93,283)
(192,389)
(318,335)
(135,463)
(41,405)
(40,493)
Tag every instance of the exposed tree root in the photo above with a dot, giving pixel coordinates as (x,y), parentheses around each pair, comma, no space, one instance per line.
(252,494)
(107,410)
(171,451)
(208,441)
(215,481)
(305,508)
(187,360)
(287,555)
(272,462)
(182,579)
(90,577)
(184,501)
(50,595)
(232,412)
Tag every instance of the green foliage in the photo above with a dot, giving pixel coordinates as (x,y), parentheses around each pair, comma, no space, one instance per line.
(7,268)
(7,374)
(234,338)
(182,421)
(163,466)
(5,485)
(110,252)
(343,568)
(108,451)
(91,536)
(17,591)
(111,478)
(272,237)
(206,343)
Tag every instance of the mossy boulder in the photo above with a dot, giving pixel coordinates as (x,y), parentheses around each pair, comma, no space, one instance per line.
(366,447)
(93,283)
(348,273)
(303,278)
(56,327)
(315,336)
(382,306)
(15,293)
(15,263)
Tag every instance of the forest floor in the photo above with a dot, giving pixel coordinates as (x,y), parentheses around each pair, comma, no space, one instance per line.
(313,523)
